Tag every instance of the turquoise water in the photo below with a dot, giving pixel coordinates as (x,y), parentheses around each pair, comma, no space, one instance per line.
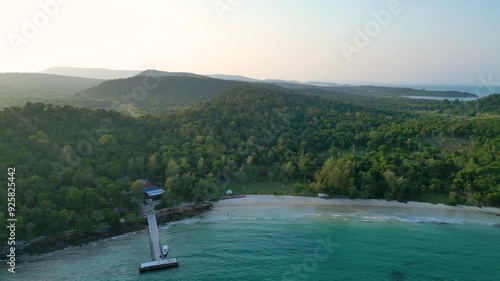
(268,238)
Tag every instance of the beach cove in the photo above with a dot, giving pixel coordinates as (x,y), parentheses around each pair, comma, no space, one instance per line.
(297,238)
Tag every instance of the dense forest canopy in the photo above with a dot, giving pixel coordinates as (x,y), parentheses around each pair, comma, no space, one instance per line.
(488,104)
(75,166)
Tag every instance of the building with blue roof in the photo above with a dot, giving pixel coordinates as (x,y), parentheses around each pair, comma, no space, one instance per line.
(151,191)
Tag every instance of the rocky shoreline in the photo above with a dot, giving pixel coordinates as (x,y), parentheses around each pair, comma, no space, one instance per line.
(62,241)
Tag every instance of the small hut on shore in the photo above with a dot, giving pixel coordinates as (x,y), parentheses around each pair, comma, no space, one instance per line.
(151,190)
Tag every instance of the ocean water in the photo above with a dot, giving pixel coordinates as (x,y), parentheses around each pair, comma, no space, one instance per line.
(287,238)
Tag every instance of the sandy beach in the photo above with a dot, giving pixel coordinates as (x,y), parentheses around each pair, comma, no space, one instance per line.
(263,200)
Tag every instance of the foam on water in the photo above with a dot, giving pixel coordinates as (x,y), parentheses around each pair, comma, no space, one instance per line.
(282,238)
(368,210)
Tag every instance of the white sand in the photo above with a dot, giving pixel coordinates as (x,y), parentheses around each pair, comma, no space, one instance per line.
(263,200)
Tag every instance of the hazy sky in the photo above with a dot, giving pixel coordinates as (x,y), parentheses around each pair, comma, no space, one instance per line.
(427,41)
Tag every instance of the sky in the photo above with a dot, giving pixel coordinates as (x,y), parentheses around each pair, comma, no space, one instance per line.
(343,41)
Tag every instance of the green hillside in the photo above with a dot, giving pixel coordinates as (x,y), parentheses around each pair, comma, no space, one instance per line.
(158,73)
(150,94)
(42,85)
(68,160)
(16,89)
(490,103)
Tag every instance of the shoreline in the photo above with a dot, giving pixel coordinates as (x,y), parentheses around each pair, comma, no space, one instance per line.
(339,202)
(44,245)
(49,244)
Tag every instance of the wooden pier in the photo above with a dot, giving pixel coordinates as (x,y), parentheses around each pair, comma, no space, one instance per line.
(158,256)
(159,264)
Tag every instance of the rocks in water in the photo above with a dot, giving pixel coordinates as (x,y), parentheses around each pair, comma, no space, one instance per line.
(397,275)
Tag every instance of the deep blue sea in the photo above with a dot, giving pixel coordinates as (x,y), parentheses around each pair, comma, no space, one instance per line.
(288,238)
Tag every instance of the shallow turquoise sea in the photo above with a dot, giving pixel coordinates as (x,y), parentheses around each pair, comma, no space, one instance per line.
(259,238)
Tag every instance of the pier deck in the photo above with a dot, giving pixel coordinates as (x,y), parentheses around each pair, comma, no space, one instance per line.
(154,265)
(154,235)
(158,261)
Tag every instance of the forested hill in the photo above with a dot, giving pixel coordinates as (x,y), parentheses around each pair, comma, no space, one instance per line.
(68,160)
(42,85)
(151,94)
(377,91)
(490,103)
(158,73)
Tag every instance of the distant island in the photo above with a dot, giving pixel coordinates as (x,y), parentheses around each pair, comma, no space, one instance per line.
(400,92)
